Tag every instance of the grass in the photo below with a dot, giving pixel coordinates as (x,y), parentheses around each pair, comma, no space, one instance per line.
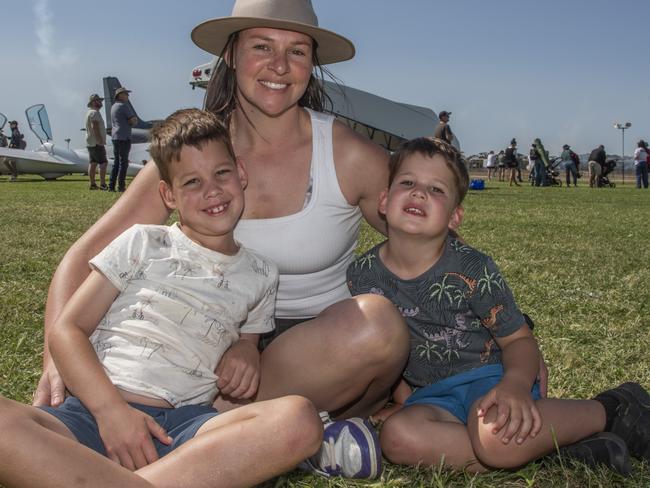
(576,259)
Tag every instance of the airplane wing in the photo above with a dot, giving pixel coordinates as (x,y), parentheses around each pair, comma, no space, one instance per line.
(36,162)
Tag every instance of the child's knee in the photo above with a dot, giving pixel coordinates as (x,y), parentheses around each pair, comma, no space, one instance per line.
(397,441)
(302,426)
(489,448)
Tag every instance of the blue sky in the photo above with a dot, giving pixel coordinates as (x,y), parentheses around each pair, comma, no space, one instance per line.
(563,71)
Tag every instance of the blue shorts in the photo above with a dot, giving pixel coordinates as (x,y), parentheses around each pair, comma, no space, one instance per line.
(458,393)
(180,423)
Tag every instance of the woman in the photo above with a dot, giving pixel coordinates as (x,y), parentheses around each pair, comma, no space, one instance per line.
(641,164)
(311,179)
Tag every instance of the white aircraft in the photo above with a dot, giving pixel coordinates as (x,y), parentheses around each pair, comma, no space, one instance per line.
(51,161)
(386,122)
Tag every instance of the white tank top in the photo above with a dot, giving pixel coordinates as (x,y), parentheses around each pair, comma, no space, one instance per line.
(312,248)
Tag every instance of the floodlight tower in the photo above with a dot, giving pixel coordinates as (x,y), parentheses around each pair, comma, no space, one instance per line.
(624,126)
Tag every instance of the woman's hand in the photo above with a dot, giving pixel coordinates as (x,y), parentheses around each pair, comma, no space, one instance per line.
(50,390)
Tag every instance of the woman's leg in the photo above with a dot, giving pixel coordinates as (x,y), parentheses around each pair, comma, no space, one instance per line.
(427,435)
(345,360)
(242,447)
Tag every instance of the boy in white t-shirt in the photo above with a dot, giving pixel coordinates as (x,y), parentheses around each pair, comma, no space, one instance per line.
(139,343)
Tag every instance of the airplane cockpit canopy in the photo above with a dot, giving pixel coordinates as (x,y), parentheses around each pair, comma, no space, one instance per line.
(39,122)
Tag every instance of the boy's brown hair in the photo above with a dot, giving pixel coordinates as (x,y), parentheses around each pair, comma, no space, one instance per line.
(186,127)
(430,147)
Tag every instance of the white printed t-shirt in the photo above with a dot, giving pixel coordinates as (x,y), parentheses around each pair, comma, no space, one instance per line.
(180,307)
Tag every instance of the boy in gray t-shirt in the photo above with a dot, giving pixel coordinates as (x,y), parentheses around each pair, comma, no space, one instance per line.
(473,357)
(141,341)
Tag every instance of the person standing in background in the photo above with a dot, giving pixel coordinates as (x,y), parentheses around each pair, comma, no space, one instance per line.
(443,131)
(512,161)
(96,142)
(569,166)
(641,164)
(491,164)
(596,162)
(122,119)
(17,141)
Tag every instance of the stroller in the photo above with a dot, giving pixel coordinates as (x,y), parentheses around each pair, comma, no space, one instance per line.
(553,174)
(607,168)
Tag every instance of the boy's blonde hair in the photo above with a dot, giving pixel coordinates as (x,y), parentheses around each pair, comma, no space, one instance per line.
(186,127)
(430,147)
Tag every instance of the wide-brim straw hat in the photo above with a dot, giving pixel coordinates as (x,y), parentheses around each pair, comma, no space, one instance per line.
(294,15)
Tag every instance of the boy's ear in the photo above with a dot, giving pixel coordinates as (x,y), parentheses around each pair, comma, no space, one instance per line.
(383,200)
(456,218)
(241,171)
(167,195)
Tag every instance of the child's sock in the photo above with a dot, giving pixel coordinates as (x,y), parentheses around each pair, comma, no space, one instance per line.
(610,403)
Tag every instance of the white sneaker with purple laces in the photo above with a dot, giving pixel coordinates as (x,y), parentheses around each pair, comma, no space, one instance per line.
(350,449)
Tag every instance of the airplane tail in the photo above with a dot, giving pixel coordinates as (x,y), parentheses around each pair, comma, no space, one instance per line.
(141,131)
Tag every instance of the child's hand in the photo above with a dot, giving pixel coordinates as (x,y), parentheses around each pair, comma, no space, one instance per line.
(126,433)
(516,412)
(380,416)
(239,370)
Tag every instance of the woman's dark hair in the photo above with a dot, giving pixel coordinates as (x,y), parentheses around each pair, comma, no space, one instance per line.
(221,93)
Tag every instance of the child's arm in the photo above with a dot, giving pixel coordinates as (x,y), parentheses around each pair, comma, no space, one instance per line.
(239,368)
(517,413)
(126,432)
(401,392)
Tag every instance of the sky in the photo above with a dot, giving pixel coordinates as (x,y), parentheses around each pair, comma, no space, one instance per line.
(561,70)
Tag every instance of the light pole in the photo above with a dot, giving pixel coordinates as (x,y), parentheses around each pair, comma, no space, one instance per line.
(624,126)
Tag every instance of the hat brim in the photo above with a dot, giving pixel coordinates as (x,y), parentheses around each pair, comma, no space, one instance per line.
(212,36)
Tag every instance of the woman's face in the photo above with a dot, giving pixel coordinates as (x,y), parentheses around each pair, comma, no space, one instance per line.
(273,68)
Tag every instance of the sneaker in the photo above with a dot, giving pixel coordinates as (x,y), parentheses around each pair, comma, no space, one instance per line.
(94,187)
(603,448)
(350,449)
(632,420)
(103,188)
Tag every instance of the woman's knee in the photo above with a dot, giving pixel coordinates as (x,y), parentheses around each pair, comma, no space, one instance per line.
(380,329)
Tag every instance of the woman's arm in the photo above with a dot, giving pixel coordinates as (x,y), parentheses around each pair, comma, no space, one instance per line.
(362,171)
(140,204)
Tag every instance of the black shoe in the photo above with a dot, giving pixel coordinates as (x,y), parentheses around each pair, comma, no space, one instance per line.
(632,419)
(103,188)
(603,448)
(112,190)
(121,190)
(94,187)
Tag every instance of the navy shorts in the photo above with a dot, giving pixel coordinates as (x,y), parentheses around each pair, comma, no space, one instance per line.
(180,423)
(458,393)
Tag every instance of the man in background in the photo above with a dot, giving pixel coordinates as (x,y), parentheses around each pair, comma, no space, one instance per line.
(123,118)
(96,142)
(596,162)
(443,131)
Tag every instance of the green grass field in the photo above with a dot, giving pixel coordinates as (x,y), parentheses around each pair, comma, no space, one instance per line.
(576,259)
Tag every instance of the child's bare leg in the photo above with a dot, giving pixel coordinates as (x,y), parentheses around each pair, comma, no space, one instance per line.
(243,447)
(426,435)
(563,421)
(37,449)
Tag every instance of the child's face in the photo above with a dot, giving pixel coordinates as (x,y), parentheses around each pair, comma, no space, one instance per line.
(422,198)
(207,189)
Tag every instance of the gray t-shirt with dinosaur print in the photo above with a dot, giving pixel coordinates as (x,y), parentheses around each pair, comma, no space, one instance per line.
(453,311)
